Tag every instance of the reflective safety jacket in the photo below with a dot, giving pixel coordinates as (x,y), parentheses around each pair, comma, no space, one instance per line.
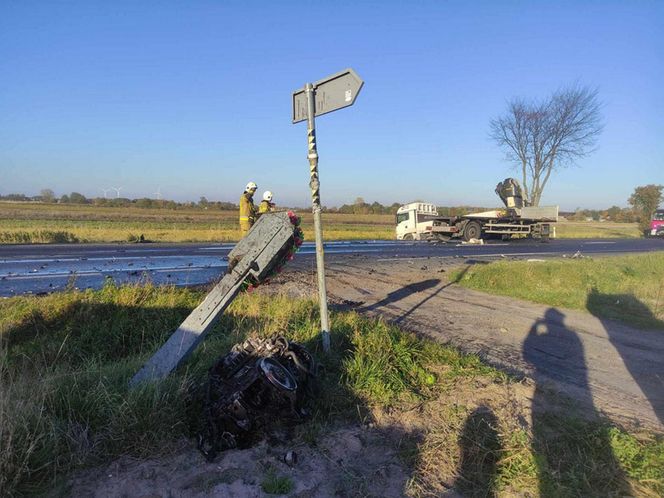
(247,211)
(265,207)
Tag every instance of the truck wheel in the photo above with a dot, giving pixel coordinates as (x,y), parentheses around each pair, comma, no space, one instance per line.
(472,230)
(408,236)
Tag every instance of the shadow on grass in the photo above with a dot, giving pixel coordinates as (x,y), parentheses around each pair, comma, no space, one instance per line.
(573,454)
(480,451)
(624,308)
(642,352)
(65,380)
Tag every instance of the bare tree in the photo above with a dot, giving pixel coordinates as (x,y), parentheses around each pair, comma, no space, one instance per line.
(543,136)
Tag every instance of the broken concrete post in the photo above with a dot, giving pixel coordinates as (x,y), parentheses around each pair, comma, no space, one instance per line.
(254,256)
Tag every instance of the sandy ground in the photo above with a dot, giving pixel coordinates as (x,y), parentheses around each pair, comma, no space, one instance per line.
(415,451)
(345,462)
(610,369)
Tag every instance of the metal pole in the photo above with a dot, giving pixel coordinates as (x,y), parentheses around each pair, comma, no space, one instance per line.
(315,202)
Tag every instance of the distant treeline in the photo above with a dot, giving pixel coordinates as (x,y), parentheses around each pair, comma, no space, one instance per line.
(613,213)
(77,198)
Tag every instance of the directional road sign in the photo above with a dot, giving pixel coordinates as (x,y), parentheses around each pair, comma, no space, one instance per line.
(329,94)
(334,92)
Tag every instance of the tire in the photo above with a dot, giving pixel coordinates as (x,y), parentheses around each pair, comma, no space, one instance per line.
(408,236)
(472,230)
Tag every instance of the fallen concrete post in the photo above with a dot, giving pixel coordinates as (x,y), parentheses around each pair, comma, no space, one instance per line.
(256,255)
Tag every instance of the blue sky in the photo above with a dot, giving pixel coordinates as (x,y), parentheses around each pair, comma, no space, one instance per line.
(195,97)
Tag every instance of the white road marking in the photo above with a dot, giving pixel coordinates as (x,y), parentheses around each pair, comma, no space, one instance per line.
(83,259)
(20,276)
(506,254)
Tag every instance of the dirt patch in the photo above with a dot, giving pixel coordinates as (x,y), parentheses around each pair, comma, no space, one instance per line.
(411,451)
(346,461)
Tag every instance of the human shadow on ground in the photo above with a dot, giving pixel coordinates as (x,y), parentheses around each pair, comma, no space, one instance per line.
(642,352)
(480,450)
(570,448)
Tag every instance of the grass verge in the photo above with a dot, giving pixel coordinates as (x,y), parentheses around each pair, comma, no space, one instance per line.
(66,360)
(625,288)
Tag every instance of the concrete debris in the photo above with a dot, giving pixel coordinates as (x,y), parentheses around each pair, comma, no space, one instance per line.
(473,241)
(290,458)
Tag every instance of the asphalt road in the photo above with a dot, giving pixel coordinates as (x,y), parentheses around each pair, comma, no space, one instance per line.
(35,269)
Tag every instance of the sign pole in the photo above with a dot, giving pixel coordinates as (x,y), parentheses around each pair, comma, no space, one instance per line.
(335,92)
(315,203)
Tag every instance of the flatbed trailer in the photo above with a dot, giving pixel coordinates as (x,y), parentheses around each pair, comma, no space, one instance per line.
(420,220)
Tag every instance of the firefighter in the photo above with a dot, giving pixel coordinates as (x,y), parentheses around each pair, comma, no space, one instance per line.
(247,208)
(266,204)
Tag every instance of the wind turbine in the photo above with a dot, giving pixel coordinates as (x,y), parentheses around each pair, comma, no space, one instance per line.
(158,193)
(105,190)
(117,190)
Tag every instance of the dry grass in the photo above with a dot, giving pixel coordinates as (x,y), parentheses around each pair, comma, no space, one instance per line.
(596,230)
(24,222)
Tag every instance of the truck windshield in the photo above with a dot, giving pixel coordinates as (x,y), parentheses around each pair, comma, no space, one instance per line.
(658,216)
(402,217)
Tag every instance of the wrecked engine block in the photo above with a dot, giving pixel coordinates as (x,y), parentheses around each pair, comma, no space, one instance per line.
(258,382)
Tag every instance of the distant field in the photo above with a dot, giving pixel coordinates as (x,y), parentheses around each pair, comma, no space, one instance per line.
(42,223)
(596,230)
(24,223)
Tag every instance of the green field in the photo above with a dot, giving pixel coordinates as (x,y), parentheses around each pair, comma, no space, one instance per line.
(66,359)
(43,223)
(625,288)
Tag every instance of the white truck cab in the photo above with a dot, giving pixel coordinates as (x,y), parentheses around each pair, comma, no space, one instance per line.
(413,220)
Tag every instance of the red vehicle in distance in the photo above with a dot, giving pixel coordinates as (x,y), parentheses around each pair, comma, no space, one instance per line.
(656,224)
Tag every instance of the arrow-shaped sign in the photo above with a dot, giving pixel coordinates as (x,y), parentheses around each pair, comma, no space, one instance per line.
(332,93)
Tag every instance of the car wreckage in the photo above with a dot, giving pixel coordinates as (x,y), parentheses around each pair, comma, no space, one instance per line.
(259,381)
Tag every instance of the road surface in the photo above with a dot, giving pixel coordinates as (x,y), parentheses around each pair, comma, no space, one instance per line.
(35,269)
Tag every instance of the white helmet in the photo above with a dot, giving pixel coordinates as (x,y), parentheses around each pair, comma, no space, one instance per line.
(250,186)
(267,196)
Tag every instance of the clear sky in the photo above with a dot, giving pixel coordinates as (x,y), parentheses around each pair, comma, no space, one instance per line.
(195,97)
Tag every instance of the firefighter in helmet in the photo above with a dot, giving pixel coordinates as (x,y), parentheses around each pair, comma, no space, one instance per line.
(266,204)
(247,208)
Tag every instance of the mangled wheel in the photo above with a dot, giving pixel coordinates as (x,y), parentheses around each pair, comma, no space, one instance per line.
(277,375)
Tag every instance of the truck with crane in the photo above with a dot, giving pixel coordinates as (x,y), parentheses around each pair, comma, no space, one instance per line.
(420,220)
